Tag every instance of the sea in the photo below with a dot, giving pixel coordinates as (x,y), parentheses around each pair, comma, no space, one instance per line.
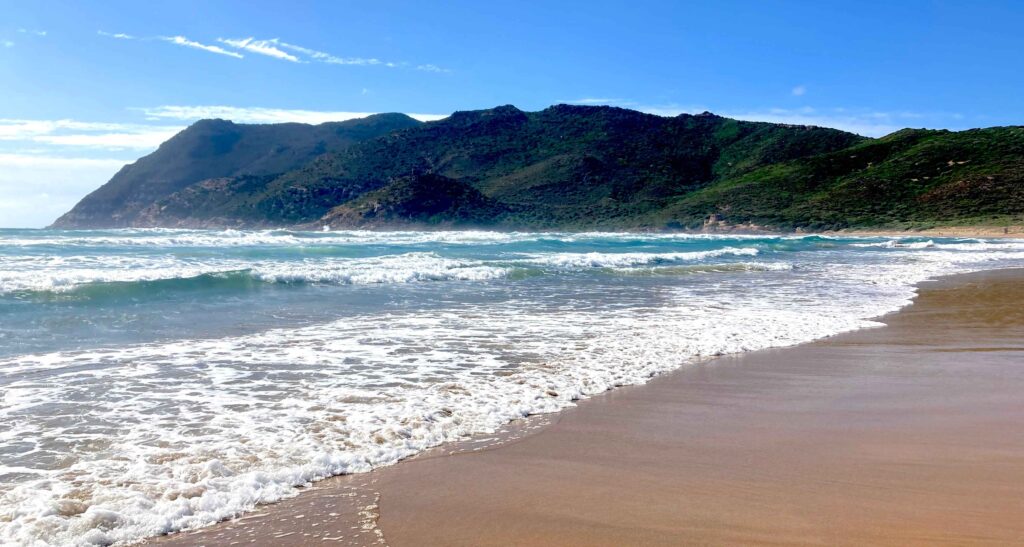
(158,380)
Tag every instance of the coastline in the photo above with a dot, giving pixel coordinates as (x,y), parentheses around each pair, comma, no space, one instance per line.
(967,231)
(951,231)
(886,435)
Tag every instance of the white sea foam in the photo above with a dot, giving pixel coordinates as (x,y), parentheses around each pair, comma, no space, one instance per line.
(191,432)
(977,245)
(622,260)
(707,268)
(897,244)
(62,273)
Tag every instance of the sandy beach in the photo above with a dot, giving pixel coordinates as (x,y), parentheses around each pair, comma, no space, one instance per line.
(946,231)
(912,433)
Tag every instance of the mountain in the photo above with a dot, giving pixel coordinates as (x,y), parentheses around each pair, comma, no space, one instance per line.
(212,149)
(582,167)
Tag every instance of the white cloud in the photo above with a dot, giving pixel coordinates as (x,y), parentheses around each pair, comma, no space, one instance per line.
(261,115)
(323,57)
(8,43)
(799,91)
(113,141)
(260,47)
(119,35)
(182,41)
(36,189)
(33,32)
(275,48)
(331,59)
(57,163)
(110,136)
(432,68)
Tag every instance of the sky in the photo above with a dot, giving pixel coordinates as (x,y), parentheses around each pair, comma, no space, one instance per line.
(86,87)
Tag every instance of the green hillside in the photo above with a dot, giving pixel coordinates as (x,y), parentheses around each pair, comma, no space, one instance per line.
(909,178)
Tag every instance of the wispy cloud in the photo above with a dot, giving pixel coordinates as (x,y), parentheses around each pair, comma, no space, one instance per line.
(182,41)
(330,59)
(144,139)
(432,68)
(73,133)
(799,91)
(8,43)
(261,115)
(176,40)
(259,47)
(119,35)
(274,48)
(57,162)
(32,32)
(278,49)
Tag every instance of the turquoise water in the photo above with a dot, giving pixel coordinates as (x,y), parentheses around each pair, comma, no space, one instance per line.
(154,380)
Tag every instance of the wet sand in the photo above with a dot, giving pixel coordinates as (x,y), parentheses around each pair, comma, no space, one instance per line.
(908,434)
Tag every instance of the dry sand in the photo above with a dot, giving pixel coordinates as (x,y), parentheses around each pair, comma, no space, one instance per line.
(908,434)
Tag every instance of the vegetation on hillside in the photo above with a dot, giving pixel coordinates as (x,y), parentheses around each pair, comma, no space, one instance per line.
(423,199)
(911,178)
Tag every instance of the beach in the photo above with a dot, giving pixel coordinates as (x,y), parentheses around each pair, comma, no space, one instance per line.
(1014,231)
(906,434)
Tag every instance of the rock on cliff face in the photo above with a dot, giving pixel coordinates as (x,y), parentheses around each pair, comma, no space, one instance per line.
(211,149)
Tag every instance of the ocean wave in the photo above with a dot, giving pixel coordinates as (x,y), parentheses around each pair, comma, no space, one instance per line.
(405,268)
(897,244)
(622,260)
(71,274)
(728,267)
(177,238)
(58,274)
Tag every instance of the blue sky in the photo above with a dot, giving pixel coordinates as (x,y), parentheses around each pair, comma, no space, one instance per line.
(87,88)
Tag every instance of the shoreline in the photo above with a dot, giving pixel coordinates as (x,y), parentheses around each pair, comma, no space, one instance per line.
(457,487)
(986,232)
